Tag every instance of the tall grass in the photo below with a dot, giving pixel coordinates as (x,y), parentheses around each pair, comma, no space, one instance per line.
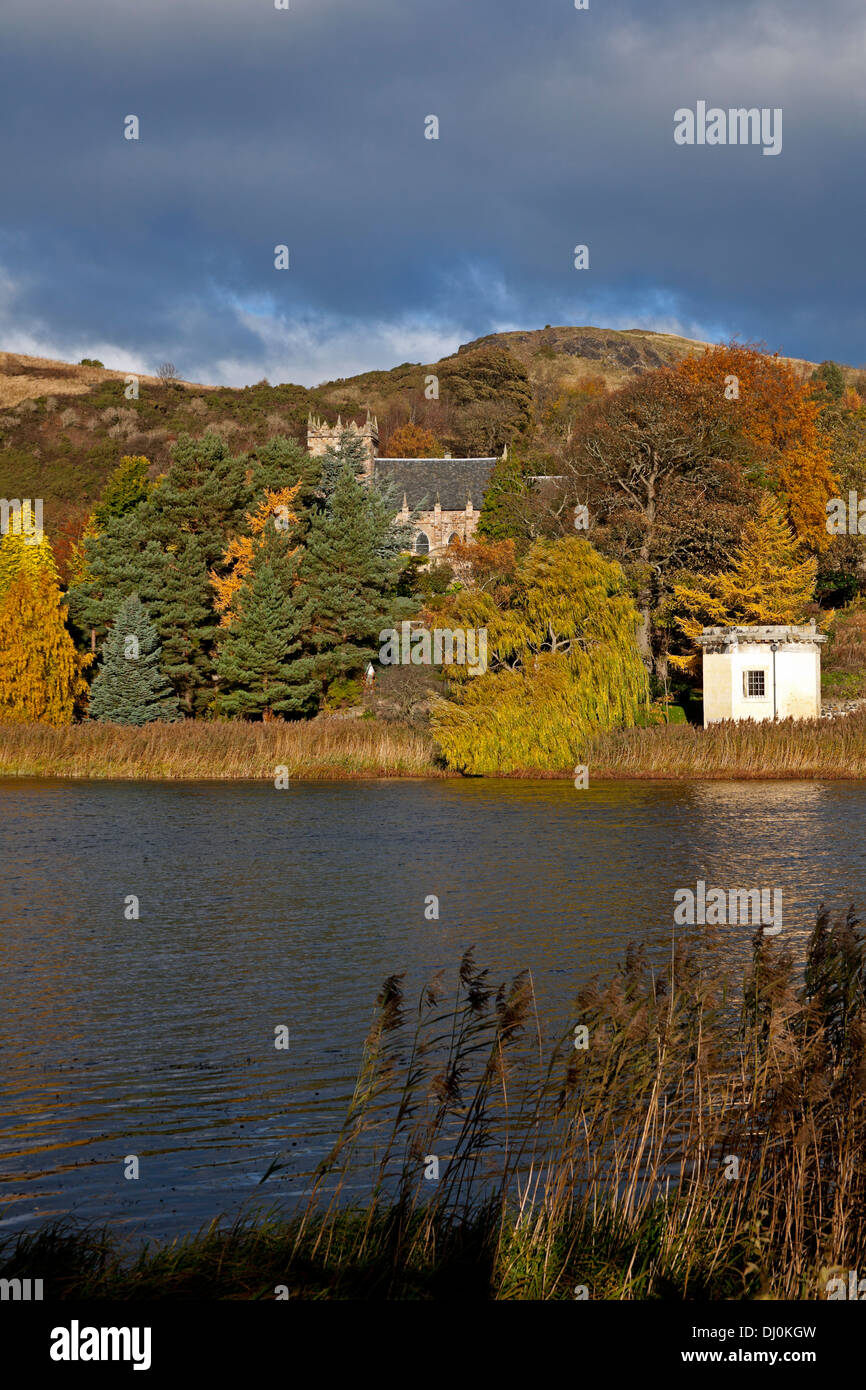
(346,748)
(320,748)
(705,1143)
(829,748)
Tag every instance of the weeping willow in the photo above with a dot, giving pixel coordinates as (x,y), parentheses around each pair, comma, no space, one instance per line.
(563,666)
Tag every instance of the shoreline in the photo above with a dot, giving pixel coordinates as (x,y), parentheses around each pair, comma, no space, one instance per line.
(335,748)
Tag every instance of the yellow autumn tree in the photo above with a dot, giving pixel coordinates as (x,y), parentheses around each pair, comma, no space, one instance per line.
(23,551)
(563,664)
(41,674)
(278,504)
(769,581)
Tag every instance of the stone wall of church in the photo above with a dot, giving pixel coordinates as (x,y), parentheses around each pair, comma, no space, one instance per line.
(432,529)
(439,526)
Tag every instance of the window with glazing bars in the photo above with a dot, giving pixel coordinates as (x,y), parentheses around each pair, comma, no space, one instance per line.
(754,684)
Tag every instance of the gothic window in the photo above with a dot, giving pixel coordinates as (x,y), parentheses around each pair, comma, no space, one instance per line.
(453,538)
(422,544)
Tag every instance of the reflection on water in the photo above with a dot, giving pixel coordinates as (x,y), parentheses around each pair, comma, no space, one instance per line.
(258,908)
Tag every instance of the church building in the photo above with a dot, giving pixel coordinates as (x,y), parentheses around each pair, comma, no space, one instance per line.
(440,497)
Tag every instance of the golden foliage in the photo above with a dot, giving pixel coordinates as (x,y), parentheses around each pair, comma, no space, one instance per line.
(564,664)
(41,674)
(769,581)
(238,558)
(21,553)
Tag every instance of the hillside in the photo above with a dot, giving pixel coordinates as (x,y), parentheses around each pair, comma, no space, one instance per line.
(63,427)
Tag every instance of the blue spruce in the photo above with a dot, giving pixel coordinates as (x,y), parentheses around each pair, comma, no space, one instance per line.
(131,686)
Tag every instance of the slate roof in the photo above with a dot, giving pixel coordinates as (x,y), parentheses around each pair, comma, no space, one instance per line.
(452,481)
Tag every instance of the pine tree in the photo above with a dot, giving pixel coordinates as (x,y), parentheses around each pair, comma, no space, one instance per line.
(831,375)
(769,581)
(350,453)
(41,674)
(125,488)
(130,686)
(279,463)
(164,550)
(503,510)
(347,581)
(277,508)
(256,674)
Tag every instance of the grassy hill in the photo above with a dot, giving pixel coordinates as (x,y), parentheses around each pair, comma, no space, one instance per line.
(64,427)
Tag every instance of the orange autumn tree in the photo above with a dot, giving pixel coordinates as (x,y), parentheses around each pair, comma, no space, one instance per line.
(277,504)
(777,416)
(490,566)
(411,441)
(41,674)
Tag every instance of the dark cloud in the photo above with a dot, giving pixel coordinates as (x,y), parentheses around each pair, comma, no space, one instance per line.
(306,127)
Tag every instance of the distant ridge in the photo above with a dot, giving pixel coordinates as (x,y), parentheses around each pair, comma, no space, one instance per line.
(64,426)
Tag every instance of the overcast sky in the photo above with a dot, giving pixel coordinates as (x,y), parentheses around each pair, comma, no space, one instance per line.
(306,127)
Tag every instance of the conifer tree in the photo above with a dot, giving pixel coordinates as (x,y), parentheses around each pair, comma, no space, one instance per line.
(395,537)
(347,578)
(276,509)
(503,510)
(124,489)
(257,675)
(350,453)
(164,550)
(769,581)
(130,686)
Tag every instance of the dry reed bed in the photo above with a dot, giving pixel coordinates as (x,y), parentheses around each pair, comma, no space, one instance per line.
(192,751)
(329,747)
(827,748)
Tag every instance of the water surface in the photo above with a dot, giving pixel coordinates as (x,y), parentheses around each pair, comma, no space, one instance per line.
(258,908)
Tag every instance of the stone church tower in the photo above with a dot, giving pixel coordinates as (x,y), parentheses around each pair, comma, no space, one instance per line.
(321,437)
(442,497)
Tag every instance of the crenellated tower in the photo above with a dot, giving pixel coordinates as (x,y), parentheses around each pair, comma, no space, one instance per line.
(321,437)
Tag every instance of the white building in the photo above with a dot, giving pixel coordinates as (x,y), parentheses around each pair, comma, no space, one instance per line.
(761,673)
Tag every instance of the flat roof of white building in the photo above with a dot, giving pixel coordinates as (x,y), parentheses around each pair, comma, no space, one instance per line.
(783,634)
